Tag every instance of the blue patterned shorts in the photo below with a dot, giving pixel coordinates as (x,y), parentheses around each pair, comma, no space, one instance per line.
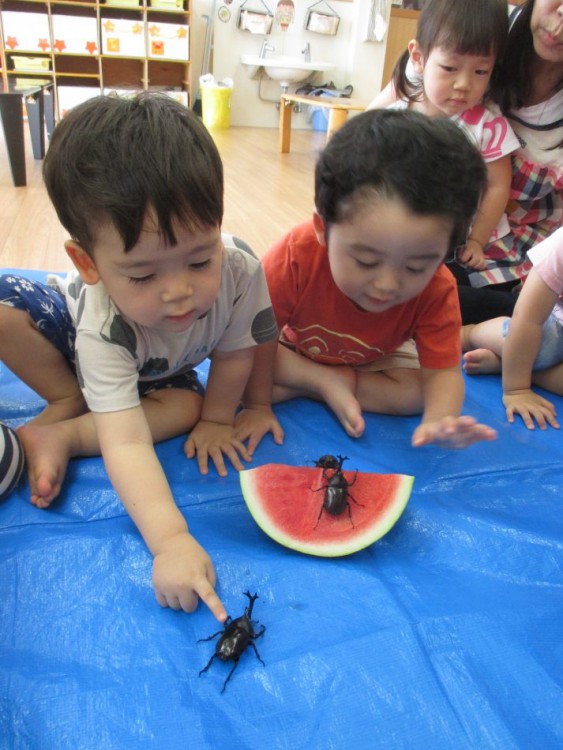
(47,307)
(551,346)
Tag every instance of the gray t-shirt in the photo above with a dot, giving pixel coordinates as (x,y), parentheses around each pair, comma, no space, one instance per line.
(113,353)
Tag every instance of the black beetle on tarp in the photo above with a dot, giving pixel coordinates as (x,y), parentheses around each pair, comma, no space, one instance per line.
(234,638)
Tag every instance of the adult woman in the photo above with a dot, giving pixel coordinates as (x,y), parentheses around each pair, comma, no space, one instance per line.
(528,86)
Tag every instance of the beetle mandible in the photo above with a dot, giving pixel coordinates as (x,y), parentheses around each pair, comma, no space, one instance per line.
(336,492)
(235,637)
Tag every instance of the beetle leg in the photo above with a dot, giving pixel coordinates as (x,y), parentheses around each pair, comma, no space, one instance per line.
(319,516)
(208,665)
(230,675)
(211,637)
(256,652)
(350,513)
(354,500)
(353,480)
(254,636)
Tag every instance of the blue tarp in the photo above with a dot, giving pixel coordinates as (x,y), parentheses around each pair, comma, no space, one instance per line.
(447,633)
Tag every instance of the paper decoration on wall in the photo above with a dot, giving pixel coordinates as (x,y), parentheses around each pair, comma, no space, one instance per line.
(255,20)
(321,18)
(285,11)
(377,24)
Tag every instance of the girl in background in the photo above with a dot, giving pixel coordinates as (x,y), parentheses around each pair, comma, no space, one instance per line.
(452,58)
(527,83)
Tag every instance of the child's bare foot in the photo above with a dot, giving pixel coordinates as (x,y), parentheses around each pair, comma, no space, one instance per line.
(337,388)
(481,362)
(47,452)
(340,395)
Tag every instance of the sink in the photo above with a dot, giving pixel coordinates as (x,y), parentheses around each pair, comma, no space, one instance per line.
(286,70)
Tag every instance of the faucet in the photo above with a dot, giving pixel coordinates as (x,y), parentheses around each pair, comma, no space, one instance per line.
(266,47)
(306,52)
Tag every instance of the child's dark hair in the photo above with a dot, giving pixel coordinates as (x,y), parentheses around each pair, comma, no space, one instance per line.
(112,158)
(428,164)
(466,27)
(512,78)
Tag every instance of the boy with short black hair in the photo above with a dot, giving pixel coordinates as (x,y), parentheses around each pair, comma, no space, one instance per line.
(395,194)
(138,184)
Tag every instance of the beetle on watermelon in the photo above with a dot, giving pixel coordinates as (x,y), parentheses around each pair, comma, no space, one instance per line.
(283,501)
(336,498)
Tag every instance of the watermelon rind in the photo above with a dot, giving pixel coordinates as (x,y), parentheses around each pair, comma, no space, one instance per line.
(315,546)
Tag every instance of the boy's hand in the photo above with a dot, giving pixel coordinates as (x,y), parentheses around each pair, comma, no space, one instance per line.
(182,572)
(210,439)
(254,422)
(530,406)
(472,256)
(452,432)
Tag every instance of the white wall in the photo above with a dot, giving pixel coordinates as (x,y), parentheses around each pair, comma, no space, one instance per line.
(358,62)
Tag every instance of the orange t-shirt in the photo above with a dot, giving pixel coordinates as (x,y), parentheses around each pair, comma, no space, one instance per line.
(323,324)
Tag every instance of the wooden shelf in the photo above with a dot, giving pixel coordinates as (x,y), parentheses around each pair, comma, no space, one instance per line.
(95,69)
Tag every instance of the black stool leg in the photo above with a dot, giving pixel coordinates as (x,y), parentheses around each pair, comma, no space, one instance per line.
(36,119)
(12,123)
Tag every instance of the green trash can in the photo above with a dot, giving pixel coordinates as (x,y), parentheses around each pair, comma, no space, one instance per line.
(216,102)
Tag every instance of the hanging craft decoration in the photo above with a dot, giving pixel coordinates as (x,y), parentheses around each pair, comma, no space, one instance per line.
(255,20)
(321,18)
(285,11)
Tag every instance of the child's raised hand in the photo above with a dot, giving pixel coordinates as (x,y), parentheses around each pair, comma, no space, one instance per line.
(182,573)
(253,422)
(530,406)
(472,256)
(213,440)
(452,432)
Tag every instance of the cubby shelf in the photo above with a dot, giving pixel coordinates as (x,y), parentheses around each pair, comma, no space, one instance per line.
(88,48)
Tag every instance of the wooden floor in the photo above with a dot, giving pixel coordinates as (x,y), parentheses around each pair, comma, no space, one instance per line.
(266,193)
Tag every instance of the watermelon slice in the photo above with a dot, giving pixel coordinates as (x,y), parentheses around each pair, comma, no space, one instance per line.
(283,502)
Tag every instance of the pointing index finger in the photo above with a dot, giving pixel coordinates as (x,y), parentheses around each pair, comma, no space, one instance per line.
(210,598)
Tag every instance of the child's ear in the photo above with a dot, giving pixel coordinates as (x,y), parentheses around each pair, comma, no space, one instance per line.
(82,262)
(416,56)
(320,228)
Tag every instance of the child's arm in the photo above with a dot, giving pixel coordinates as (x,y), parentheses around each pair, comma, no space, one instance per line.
(257,418)
(492,207)
(520,349)
(385,98)
(182,570)
(214,434)
(441,421)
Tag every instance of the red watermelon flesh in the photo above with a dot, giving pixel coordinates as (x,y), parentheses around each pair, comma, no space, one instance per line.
(283,502)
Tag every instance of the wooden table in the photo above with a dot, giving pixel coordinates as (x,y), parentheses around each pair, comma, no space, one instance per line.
(338,106)
(37,94)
